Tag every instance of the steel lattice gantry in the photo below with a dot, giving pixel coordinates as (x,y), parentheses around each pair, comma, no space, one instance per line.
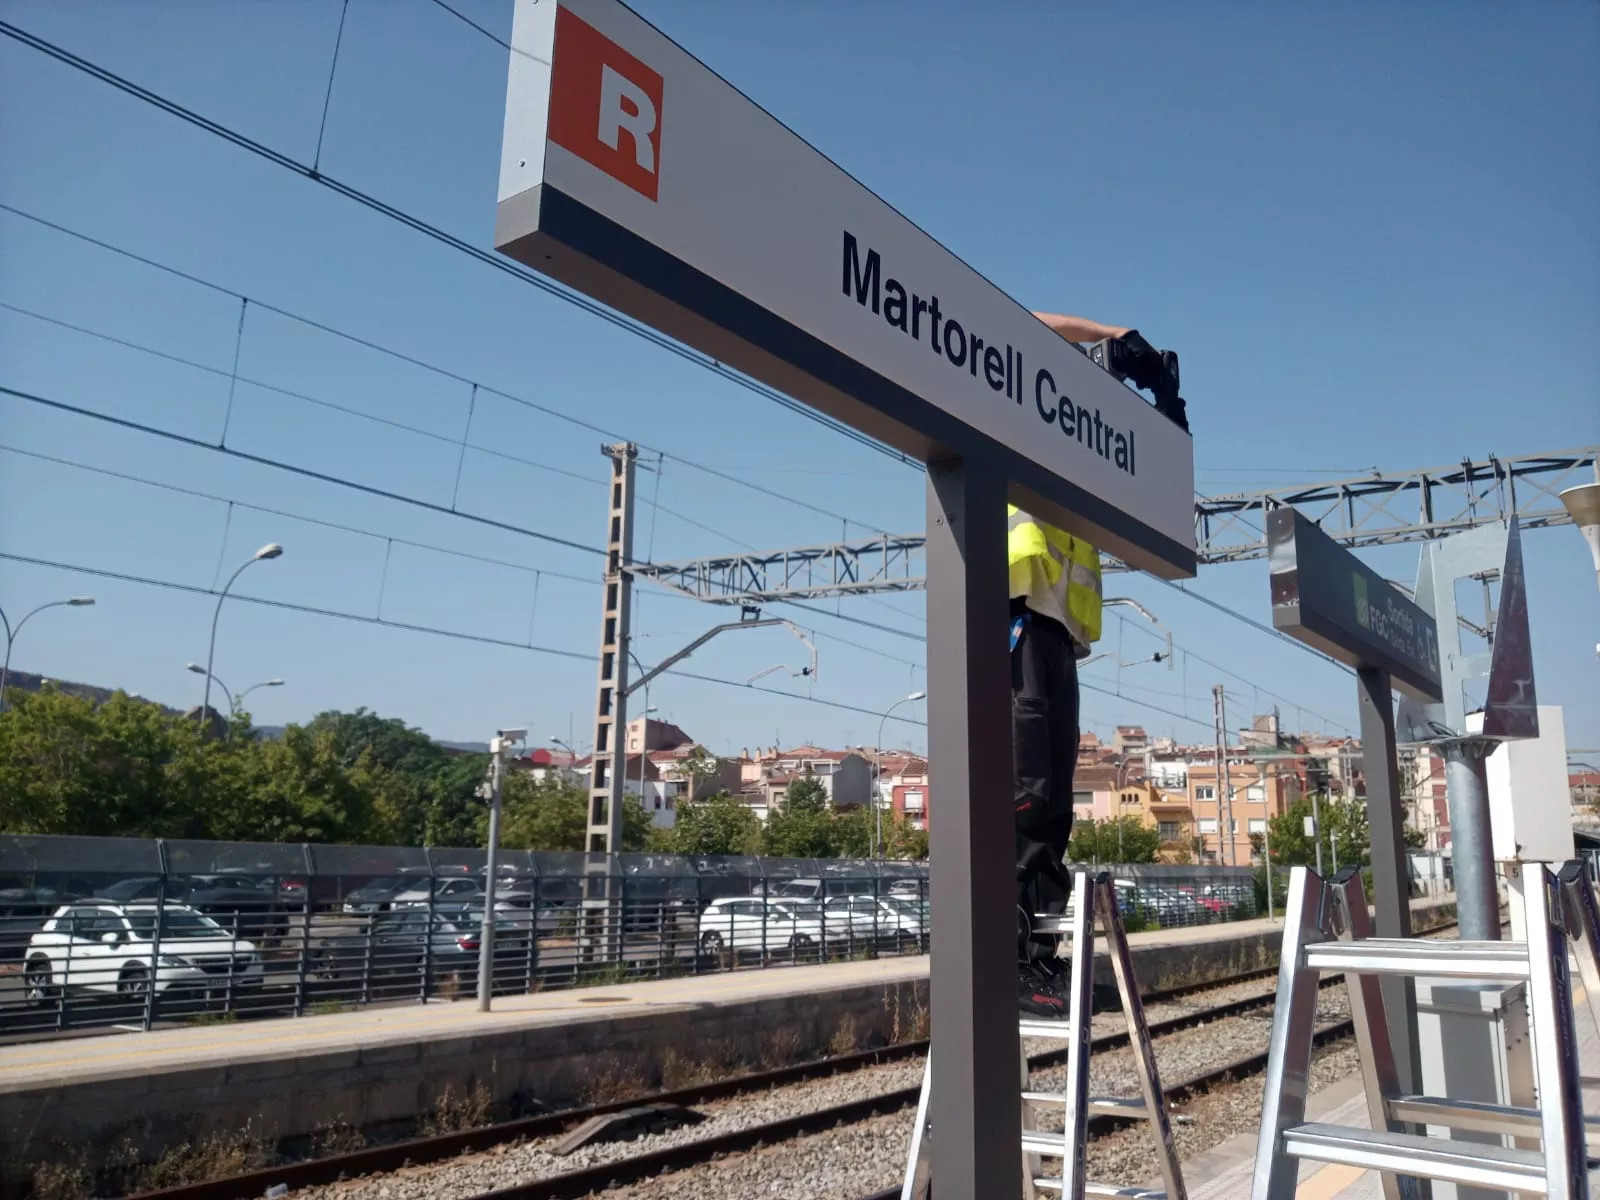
(1367,510)
(883,564)
(1383,509)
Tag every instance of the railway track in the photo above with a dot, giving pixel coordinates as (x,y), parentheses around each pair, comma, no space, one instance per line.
(421,1151)
(598,1178)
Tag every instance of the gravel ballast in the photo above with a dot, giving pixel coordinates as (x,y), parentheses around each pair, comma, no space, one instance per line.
(869,1156)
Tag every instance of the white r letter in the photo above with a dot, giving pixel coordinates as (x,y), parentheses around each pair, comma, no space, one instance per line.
(614,117)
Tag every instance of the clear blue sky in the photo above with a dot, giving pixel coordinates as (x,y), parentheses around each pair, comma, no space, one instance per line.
(1371,230)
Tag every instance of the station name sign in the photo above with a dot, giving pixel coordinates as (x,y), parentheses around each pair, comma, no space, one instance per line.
(1325,596)
(635,174)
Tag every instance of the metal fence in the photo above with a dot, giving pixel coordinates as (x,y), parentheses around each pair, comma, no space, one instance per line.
(130,933)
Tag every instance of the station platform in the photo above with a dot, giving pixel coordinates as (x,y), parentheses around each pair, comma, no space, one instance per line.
(381,1069)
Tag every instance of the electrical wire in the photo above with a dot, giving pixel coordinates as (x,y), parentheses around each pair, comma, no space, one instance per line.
(288,163)
(390,422)
(306,472)
(400,356)
(293,516)
(483,639)
(498,262)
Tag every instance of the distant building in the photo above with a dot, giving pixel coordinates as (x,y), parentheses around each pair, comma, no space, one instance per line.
(845,775)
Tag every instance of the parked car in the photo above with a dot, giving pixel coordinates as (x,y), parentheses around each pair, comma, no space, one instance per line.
(395,944)
(856,919)
(750,923)
(241,905)
(23,912)
(119,948)
(913,889)
(383,894)
(906,921)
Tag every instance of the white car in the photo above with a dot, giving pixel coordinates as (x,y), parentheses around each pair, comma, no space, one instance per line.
(106,947)
(856,919)
(751,923)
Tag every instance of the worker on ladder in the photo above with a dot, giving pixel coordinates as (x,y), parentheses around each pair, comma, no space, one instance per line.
(1055,618)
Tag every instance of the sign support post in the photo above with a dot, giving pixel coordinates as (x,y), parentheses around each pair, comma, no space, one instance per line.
(634,174)
(974,1100)
(1326,597)
(1386,831)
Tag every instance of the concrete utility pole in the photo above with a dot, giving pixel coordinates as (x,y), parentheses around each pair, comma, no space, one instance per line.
(611,697)
(1224,793)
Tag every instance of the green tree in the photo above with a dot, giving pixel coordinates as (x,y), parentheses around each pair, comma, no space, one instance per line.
(124,767)
(906,841)
(718,824)
(852,832)
(1344,834)
(295,789)
(1117,840)
(806,795)
(552,814)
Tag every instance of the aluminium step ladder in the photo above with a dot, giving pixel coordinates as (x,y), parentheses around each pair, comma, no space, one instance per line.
(1327,928)
(1094,896)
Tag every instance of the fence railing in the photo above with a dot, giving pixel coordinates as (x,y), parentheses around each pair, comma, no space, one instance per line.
(129,933)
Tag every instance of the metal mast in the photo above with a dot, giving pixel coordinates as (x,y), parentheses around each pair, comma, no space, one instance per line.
(611,696)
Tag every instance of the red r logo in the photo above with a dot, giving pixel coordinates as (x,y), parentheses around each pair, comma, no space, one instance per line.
(605,105)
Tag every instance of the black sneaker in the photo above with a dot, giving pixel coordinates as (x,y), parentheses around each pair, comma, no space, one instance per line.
(1040,993)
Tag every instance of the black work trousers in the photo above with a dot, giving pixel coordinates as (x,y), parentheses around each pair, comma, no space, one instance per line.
(1044,751)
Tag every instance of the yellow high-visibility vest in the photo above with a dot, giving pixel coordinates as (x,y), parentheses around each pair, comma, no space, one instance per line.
(1058,574)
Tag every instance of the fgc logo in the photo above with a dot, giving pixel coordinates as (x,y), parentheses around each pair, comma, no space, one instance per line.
(605,105)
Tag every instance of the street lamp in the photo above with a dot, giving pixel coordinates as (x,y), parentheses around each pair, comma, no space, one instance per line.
(199,670)
(254,686)
(1583,503)
(270,550)
(13,630)
(877,772)
(644,741)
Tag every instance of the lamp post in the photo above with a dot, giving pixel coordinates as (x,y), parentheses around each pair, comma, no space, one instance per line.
(877,772)
(572,755)
(199,670)
(270,550)
(503,740)
(13,630)
(254,686)
(644,740)
(1583,503)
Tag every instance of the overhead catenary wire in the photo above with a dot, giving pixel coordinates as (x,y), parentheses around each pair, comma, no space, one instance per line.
(306,472)
(400,356)
(411,627)
(498,262)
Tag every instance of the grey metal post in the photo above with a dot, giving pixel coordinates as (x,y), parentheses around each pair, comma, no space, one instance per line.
(1391,893)
(1316,824)
(1471,850)
(486,938)
(974,1102)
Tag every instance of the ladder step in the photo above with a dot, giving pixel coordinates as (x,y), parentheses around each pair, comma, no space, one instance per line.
(1469,1164)
(1474,1116)
(1406,956)
(1105,1106)
(1046,1027)
(1101,1191)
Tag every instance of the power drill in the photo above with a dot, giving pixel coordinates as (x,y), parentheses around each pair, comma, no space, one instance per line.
(1130,357)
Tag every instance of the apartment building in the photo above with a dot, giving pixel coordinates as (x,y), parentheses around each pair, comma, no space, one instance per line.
(902,787)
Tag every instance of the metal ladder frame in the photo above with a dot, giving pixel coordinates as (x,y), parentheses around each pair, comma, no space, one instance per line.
(1094,896)
(1326,927)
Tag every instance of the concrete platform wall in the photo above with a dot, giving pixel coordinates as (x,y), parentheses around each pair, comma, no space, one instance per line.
(153,1101)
